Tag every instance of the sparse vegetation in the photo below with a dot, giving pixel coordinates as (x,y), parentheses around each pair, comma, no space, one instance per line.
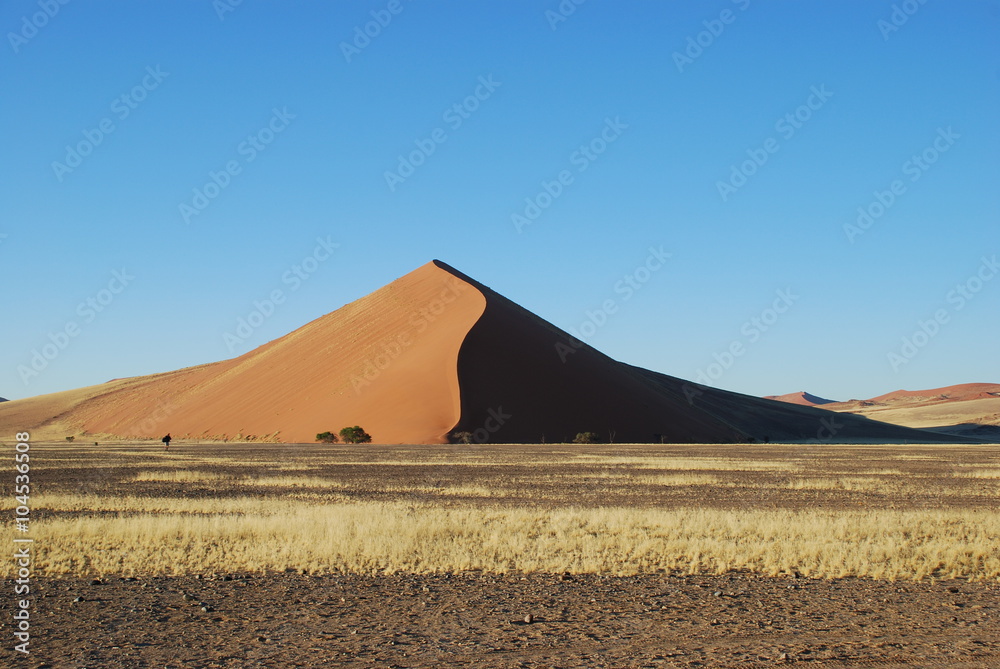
(70,439)
(462,437)
(586,438)
(327,437)
(619,510)
(160,537)
(355,435)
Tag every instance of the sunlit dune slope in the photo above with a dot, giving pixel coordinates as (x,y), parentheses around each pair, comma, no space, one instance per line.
(967,409)
(386,362)
(957,393)
(801,398)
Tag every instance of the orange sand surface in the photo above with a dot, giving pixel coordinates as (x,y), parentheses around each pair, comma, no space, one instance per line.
(386,362)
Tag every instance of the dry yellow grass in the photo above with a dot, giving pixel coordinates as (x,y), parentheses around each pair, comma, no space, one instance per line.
(290,482)
(981,474)
(624,478)
(179,476)
(301,516)
(130,505)
(676,479)
(200,476)
(168,537)
(840,483)
(687,463)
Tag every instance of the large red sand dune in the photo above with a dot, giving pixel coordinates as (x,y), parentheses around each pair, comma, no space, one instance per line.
(430,354)
(386,362)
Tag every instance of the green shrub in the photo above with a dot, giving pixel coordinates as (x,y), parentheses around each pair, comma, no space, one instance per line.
(462,437)
(327,437)
(355,435)
(586,438)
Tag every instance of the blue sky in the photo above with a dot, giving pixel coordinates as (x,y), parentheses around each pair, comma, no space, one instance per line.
(167,164)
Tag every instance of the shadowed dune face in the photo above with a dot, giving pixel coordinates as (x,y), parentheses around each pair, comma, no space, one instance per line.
(387,362)
(525,381)
(765,419)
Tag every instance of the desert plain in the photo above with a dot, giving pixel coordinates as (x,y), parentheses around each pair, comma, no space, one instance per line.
(549,555)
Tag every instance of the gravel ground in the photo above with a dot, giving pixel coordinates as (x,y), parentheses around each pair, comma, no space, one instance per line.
(465,620)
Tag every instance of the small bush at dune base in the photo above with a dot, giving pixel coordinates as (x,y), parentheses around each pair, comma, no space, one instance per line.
(462,437)
(586,438)
(355,435)
(327,437)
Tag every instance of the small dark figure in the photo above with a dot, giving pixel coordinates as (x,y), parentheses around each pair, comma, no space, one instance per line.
(166,442)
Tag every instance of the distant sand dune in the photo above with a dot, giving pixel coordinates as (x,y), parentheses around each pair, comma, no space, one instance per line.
(967,409)
(957,393)
(802,398)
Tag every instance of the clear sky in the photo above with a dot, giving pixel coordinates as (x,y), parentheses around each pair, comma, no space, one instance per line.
(679,183)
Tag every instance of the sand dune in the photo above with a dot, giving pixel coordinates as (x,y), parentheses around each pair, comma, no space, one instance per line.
(428,355)
(969,409)
(957,393)
(984,411)
(552,387)
(386,362)
(801,398)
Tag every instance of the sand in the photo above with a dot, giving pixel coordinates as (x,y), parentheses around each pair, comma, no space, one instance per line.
(386,362)
(802,398)
(956,393)
(430,354)
(969,409)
